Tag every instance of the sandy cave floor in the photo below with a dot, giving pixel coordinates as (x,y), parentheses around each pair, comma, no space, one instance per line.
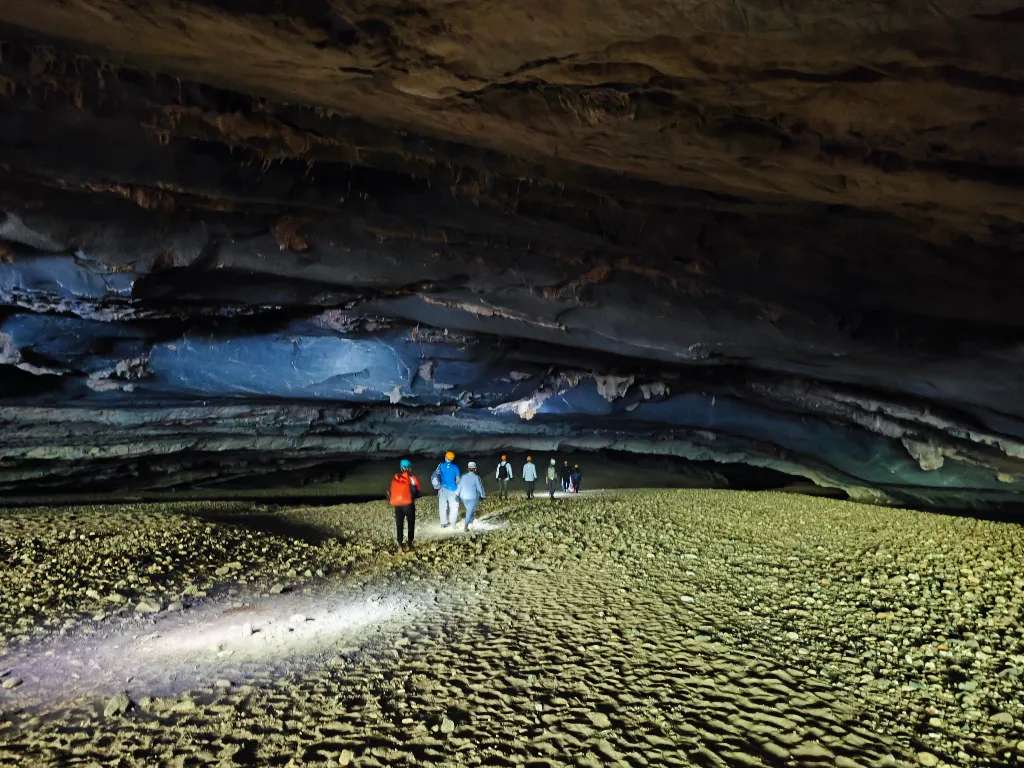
(684,627)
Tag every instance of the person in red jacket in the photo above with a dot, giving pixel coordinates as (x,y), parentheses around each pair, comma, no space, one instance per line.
(402,495)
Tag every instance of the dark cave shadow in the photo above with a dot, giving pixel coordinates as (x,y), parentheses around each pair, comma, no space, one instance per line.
(270,523)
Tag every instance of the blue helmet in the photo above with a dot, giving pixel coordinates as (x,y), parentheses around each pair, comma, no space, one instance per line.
(405,464)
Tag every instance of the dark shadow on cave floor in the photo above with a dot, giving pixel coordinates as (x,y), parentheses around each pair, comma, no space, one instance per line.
(268,522)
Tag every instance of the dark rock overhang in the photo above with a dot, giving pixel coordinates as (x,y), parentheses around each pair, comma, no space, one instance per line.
(778,238)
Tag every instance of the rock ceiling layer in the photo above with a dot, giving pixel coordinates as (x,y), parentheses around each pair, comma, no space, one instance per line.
(240,233)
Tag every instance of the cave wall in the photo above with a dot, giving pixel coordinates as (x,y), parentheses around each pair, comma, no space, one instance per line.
(241,235)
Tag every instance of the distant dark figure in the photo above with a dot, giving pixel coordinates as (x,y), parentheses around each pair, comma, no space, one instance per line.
(552,479)
(529,476)
(576,478)
(402,495)
(503,474)
(566,476)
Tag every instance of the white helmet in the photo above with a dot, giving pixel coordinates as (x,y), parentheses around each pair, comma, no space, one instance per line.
(553,461)
(471,465)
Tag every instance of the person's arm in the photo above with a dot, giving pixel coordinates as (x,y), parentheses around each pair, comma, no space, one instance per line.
(480,486)
(497,472)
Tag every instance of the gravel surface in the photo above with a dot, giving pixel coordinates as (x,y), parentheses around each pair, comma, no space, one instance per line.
(686,627)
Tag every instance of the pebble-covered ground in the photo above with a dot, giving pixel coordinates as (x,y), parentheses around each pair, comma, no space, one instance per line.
(690,627)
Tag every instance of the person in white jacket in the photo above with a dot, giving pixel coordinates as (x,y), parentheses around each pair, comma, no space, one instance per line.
(471,491)
(504,474)
(529,476)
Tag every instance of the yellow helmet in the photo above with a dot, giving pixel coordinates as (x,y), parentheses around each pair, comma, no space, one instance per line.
(450,455)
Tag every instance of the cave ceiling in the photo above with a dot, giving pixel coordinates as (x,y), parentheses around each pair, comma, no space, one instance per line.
(240,234)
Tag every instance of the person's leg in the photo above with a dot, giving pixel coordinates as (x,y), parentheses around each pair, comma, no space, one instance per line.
(411,517)
(470,512)
(399,516)
(442,506)
(453,508)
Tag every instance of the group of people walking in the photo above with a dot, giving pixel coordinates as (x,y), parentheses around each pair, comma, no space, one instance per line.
(455,487)
(569,478)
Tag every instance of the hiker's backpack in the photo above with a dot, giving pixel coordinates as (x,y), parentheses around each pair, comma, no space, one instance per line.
(435,478)
(401,492)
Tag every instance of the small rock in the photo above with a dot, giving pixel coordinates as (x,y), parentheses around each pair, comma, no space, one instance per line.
(686,599)
(599,719)
(447,726)
(346,757)
(117,705)
(927,759)
(1001,718)
(11,682)
(222,682)
(277,589)
(185,705)
(148,605)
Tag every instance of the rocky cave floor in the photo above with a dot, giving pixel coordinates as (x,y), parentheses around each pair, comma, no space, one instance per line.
(683,627)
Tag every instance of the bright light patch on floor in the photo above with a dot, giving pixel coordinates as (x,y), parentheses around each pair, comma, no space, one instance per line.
(186,650)
(268,630)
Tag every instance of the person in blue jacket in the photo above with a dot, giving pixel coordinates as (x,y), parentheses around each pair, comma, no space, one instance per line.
(471,491)
(446,480)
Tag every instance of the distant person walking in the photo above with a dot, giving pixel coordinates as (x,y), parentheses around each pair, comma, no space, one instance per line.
(552,478)
(566,476)
(529,476)
(446,480)
(402,495)
(471,491)
(576,478)
(503,474)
